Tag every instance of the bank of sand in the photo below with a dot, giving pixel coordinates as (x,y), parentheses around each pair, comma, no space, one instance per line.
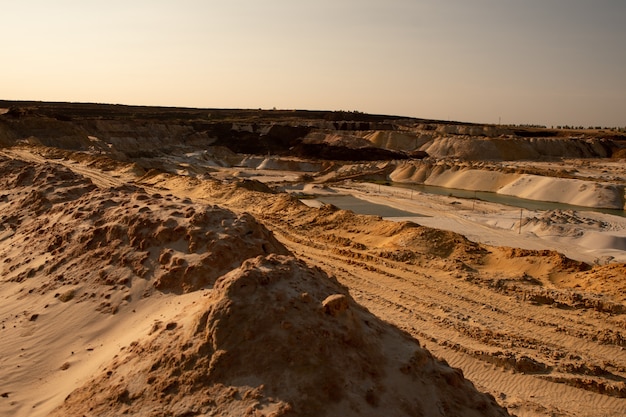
(584,235)
(581,233)
(543,334)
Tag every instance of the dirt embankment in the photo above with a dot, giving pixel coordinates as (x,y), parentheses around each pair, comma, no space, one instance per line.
(487,143)
(512,149)
(140,132)
(149,132)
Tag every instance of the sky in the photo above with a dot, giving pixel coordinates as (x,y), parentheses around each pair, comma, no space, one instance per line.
(546,62)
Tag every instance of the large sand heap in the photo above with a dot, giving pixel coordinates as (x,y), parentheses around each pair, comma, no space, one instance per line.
(266,335)
(276,337)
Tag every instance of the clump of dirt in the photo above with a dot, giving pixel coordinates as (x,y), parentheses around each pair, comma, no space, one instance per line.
(559,260)
(605,279)
(279,338)
(440,243)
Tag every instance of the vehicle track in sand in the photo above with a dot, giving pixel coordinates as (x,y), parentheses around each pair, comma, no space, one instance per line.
(506,346)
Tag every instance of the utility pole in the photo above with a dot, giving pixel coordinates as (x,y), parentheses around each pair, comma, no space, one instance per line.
(520,222)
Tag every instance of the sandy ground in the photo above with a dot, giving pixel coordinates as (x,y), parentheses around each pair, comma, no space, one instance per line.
(486,330)
(582,235)
(544,335)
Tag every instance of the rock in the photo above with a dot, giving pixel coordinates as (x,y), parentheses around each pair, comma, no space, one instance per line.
(335,304)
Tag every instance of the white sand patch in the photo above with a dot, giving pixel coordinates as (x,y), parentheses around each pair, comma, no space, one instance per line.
(283,164)
(565,190)
(471,179)
(584,236)
(598,240)
(579,192)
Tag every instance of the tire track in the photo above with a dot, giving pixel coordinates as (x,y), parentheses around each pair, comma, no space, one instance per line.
(469,326)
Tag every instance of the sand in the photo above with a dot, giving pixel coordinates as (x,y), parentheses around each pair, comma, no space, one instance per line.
(115,282)
(584,192)
(117,301)
(586,236)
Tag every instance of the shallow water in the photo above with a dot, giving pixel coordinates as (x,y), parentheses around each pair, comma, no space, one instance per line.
(359,206)
(348,202)
(504,199)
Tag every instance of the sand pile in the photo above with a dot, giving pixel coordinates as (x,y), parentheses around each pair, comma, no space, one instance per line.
(337,139)
(512,149)
(123,232)
(587,192)
(278,338)
(566,190)
(593,232)
(267,334)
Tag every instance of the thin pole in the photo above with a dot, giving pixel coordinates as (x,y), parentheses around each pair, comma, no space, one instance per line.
(520,222)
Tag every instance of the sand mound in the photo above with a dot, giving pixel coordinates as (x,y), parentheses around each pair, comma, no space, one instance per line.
(278,338)
(399,141)
(337,139)
(565,190)
(486,148)
(606,279)
(575,191)
(592,233)
(119,234)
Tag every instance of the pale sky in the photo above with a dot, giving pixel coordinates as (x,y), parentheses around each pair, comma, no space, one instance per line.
(548,62)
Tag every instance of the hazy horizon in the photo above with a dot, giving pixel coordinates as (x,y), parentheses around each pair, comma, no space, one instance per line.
(556,62)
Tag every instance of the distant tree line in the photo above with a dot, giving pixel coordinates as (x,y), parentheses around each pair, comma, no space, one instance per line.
(568,127)
(526,125)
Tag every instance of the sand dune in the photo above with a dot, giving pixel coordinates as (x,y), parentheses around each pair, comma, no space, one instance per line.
(570,191)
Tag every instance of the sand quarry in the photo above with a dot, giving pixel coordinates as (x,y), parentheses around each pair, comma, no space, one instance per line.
(205,281)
